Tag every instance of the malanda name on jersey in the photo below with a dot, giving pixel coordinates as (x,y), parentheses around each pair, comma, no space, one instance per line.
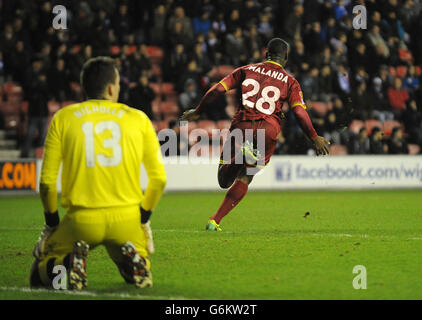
(271,73)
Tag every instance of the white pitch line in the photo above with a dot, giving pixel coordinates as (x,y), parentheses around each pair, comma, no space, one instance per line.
(315,234)
(92,294)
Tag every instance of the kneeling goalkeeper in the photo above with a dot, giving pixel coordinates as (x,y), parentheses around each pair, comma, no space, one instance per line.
(101,144)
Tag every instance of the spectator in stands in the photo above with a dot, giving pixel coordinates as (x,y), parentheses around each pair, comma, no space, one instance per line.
(177,35)
(214,48)
(309,84)
(412,119)
(293,23)
(411,81)
(122,23)
(379,101)
(397,97)
(377,144)
(360,76)
(191,72)
(362,102)
(58,81)
(189,98)
(361,143)
(253,40)
(328,30)
(37,95)
(235,47)
(397,144)
(142,95)
(202,60)
(298,59)
(18,62)
(265,26)
(185,22)
(330,131)
(219,24)
(175,63)
(342,82)
(378,43)
(233,21)
(140,62)
(159,27)
(325,85)
(202,24)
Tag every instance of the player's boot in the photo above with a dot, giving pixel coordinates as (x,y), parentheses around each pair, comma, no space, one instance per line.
(136,271)
(252,156)
(212,226)
(77,269)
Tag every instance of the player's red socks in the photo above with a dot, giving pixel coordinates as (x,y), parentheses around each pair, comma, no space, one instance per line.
(233,196)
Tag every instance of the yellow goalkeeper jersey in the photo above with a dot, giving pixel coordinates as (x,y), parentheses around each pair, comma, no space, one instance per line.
(102,145)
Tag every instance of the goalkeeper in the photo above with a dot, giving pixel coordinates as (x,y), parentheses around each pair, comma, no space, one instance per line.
(101,145)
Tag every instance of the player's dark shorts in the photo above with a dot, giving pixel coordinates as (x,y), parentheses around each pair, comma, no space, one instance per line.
(232,147)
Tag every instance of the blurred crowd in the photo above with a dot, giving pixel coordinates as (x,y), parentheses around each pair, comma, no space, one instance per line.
(356,75)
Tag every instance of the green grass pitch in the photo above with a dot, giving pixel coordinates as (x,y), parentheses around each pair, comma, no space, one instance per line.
(268,248)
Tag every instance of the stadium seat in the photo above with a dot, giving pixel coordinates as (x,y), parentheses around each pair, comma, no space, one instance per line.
(115,50)
(401,71)
(388,126)
(12,87)
(207,125)
(320,107)
(414,149)
(169,108)
(10,107)
(53,106)
(405,55)
(131,50)
(76,48)
(167,88)
(156,87)
(156,54)
(39,152)
(224,124)
(370,124)
(356,125)
(338,150)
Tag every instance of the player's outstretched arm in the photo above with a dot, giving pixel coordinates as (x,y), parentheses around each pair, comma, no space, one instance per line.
(207,100)
(320,144)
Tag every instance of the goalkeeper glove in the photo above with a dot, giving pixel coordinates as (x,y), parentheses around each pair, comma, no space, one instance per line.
(146,226)
(52,221)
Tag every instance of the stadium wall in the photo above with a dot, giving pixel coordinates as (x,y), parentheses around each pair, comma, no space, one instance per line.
(282,173)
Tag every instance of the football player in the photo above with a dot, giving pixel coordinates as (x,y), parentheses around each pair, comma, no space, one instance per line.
(101,144)
(262,89)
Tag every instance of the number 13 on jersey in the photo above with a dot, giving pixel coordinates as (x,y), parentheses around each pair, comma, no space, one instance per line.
(113,143)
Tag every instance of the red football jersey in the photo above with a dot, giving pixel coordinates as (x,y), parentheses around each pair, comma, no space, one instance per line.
(262,89)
